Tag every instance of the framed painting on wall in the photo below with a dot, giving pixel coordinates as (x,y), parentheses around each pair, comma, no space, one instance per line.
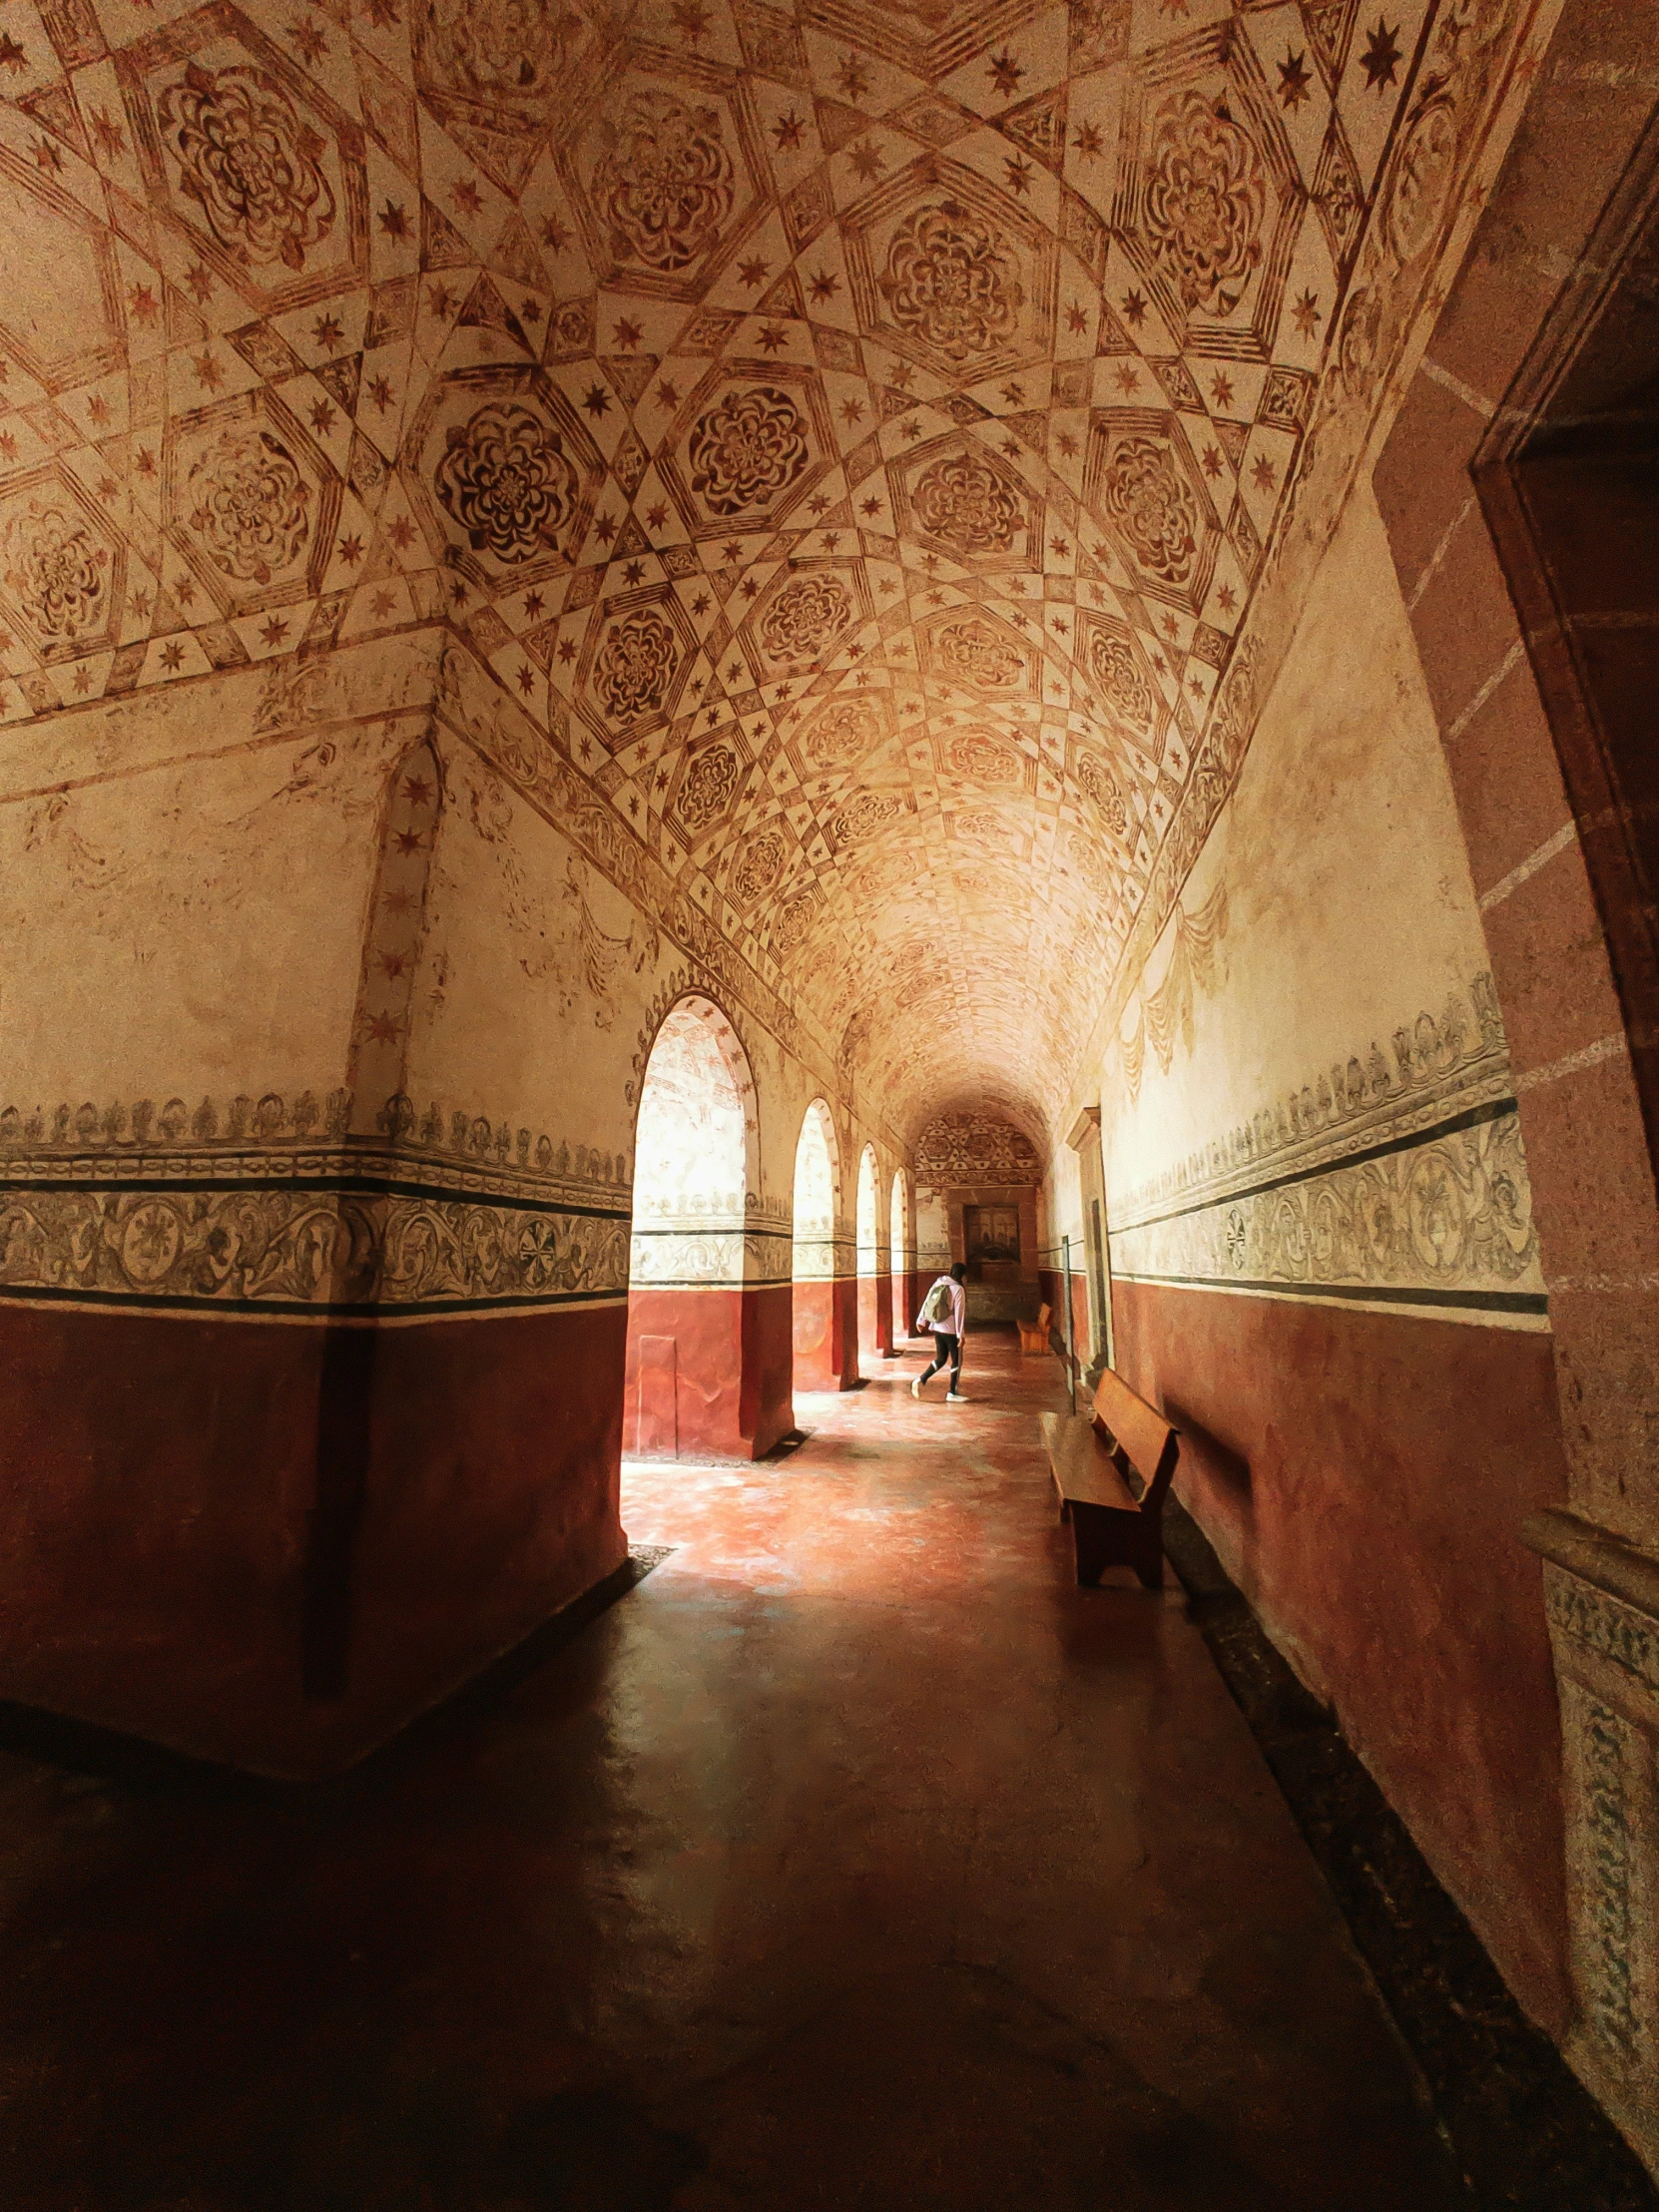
(990,1232)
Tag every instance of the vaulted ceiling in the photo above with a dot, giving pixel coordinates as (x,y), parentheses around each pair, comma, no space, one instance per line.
(856,432)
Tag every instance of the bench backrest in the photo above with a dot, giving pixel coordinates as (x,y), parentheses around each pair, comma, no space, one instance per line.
(1150,1443)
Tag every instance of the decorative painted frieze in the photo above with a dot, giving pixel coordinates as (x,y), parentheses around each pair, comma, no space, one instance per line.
(1598,1621)
(310,1248)
(957,1148)
(267,1202)
(687,1251)
(304,1133)
(1448,1220)
(1435,1067)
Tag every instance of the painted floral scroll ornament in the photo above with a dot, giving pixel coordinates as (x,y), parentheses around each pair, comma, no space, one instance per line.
(506,52)
(250,163)
(1195,962)
(505,477)
(845,733)
(1099,31)
(747,449)
(1144,492)
(759,867)
(864,816)
(710,785)
(664,180)
(964,502)
(1114,667)
(791,925)
(1095,778)
(979,757)
(55,570)
(975,653)
(1096,864)
(1205,202)
(1356,346)
(1422,177)
(1454,1212)
(601,953)
(953,280)
(636,665)
(808,615)
(251,505)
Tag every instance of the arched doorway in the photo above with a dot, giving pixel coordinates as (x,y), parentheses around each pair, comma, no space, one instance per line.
(899,1253)
(874,1287)
(826,1317)
(703,1379)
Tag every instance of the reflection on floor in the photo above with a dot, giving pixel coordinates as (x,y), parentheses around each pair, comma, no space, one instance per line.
(854,1859)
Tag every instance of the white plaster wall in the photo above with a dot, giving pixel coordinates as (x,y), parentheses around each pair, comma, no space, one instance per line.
(1350,903)
(192,927)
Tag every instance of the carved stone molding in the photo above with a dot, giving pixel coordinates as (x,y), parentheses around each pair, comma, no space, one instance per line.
(1601,1596)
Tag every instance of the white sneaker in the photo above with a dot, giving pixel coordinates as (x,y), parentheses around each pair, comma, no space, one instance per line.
(956,1398)
(915,1386)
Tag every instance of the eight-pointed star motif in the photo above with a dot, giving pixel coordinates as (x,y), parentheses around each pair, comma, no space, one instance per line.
(398,335)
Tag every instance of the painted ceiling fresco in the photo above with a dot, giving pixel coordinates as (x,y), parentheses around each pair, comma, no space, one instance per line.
(861,435)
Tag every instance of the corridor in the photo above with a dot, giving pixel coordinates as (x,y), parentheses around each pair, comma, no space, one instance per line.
(854,1858)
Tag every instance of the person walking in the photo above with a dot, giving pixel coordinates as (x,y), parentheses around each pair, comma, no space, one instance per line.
(945,1316)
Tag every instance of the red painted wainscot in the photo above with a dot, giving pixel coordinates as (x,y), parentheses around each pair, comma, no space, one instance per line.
(875,1315)
(273,1544)
(827,1335)
(709,1372)
(1051,1287)
(1364,1478)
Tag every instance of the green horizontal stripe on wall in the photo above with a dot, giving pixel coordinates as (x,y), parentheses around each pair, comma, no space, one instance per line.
(48,1294)
(1488,1302)
(346,1186)
(1471,1117)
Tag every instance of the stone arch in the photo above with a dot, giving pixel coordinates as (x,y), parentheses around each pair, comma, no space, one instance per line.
(874,1281)
(695,1383)
(700,1027)
(901,1254)
(865,1221)
(825,1289)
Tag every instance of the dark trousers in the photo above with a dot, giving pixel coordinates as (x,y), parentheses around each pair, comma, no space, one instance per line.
(948,1351)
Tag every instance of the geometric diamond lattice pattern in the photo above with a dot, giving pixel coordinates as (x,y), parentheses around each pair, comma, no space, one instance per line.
(863,437)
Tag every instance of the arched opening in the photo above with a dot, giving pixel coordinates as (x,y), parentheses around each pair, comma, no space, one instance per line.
(874,1289)
(700,1382)
(826,1319)
(899,1251)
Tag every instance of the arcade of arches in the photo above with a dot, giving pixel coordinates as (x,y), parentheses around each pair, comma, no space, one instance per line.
(961,628)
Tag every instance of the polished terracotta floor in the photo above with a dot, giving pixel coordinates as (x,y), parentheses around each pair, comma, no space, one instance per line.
(855,1858)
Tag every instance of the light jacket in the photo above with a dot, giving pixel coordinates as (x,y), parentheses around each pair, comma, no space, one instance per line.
(959,1307)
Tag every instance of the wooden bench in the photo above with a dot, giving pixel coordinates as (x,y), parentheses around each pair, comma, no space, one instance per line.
(1093,1456)
(1033,1335)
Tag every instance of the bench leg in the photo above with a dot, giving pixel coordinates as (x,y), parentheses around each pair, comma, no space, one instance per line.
(1091,1540)
(1104,1538)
